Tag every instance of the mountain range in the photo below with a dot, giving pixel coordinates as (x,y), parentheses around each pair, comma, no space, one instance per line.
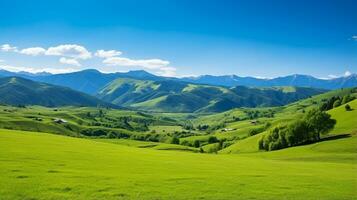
(92,81)
(297,80)
(144,91)
(179,96)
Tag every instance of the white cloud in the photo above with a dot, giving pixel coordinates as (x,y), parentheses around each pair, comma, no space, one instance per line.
(64,50)
(156,65)
(69,61)
(8,48)
(149,63)
(331,76)
(70,54)
(347,73)
(107,54)
(2,60)
(36,70)
(33,51)
(167,71)
(69,50)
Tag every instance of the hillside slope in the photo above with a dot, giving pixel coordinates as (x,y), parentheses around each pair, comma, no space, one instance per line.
(177,96)
(20,91)
(346,123)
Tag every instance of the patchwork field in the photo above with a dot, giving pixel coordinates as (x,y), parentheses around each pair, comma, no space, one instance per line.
(45,166)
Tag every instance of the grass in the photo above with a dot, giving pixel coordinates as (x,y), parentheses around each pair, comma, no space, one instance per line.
(165,129)
(41,119)
(347,120)
(36,165)
(145,144)
(346,123)
(45,166)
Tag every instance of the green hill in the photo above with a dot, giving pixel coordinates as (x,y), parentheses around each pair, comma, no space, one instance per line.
(20,91)
(86,122)
(177,96)
(346,120)
(346,124)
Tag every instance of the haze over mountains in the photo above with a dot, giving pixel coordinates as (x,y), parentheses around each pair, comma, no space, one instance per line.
(144,91)
(291,80)
(179,96)
(91,81)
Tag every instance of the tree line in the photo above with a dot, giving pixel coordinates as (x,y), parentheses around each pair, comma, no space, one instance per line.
(306,130)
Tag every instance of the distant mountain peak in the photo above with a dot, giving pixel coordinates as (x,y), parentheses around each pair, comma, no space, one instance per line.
(139,73)
(90,71)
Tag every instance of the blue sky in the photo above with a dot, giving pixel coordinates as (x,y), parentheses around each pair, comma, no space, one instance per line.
(176,38)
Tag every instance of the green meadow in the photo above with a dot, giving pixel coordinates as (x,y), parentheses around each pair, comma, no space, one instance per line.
(134,155)
(45,166)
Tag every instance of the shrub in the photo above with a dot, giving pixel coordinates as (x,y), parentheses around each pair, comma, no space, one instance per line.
(337,103)
(212,139)
(196,143)
(348,107)
(111,135)
(175,140)
(93,132)
(185,143)
(254,132)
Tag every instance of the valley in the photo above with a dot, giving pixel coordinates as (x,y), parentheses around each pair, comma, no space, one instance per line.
(178,100)
(125,144)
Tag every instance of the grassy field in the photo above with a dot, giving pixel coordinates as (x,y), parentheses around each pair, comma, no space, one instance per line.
(38,165)
(45,166)
(347,120)
(145,144)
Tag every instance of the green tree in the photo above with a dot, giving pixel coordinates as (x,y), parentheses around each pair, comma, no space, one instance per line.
(196,143)
(212,139)
(201,150)
(348,107)
(345,99)
(337,103)
(175,140)
(319,122)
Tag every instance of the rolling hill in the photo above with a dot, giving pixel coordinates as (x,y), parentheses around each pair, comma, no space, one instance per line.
(20,91)
(346,124)
(178,96)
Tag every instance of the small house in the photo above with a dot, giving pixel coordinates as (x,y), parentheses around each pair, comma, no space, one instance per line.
(60,121)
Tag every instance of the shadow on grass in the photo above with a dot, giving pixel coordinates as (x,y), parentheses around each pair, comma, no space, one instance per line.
(327,138)
(335,137)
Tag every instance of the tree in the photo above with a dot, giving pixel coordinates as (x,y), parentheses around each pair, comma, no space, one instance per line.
(337,103)
(196,143)
(201,150)
(348,107)
(345,99)
(319,122)
(175,140)
(212,139)
(111,135)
